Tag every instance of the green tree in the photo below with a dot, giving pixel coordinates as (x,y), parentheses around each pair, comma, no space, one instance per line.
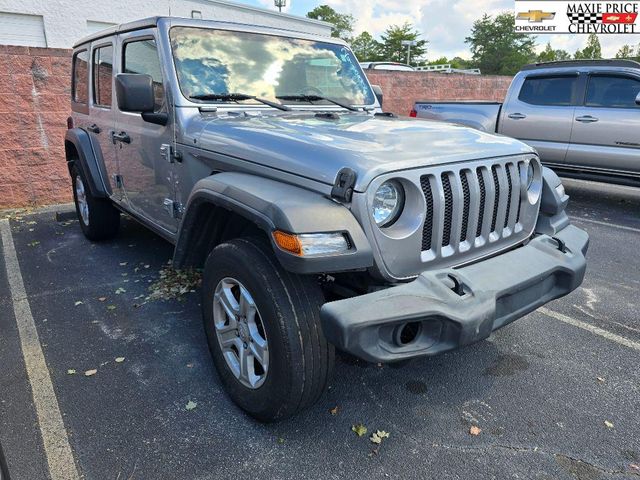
(592,50)
(549,54)
(626,51)
(342,22)
(366,48)
(496,47)
(392,48)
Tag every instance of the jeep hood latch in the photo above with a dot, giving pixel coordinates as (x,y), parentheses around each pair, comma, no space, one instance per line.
(343,186)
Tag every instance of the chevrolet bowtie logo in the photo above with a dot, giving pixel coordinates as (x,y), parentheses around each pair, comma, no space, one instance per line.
(535,16)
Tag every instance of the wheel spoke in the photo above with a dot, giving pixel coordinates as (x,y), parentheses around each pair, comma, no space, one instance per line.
(245,360)
(228,337)
(247,305)
(260,351)
(228,302)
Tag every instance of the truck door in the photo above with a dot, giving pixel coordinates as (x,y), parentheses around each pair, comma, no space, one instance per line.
(541,114)
(606,130)
(147,174)
(101,114)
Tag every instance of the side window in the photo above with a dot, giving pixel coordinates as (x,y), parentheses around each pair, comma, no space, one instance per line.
(80,87)
(102,75)
(612,91)
(552,91)
(141,56)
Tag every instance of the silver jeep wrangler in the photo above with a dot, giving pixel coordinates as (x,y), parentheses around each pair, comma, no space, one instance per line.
(319,221)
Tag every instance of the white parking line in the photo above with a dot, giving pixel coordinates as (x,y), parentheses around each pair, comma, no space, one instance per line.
(591,328)
(54,435)
(606,224)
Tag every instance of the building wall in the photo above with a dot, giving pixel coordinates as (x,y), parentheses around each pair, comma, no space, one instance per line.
(402,89)
(34,106)
(66,21)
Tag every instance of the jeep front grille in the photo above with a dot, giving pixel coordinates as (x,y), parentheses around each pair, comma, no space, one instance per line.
(480,205)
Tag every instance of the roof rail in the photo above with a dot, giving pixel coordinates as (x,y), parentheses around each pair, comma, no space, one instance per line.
(584,63)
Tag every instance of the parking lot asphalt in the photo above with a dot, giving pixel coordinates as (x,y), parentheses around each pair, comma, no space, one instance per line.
(556,395)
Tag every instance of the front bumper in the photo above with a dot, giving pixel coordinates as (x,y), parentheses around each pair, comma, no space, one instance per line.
(434,318)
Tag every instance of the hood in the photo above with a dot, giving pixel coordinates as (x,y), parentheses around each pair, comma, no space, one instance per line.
(318,148)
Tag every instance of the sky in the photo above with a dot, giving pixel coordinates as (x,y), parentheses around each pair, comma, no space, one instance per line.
(444,23)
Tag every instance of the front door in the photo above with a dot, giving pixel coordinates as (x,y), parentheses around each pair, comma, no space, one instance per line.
(147,175)
(542,114)
(606,130)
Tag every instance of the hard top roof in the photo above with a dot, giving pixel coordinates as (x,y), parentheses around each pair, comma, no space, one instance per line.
(583,63)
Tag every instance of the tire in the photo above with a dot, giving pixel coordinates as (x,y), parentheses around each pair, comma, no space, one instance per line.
(287,306)
(98,218)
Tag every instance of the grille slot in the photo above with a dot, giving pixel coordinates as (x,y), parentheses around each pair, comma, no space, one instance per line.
(428,223)
(496,203)
(467,204)
(510,191)
(483,200)
(448,210)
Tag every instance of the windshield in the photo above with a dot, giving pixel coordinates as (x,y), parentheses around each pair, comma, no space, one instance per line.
(219,62)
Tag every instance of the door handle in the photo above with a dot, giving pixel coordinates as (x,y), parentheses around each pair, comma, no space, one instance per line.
(517,116)
(586,119)
(120,137)
(94,129)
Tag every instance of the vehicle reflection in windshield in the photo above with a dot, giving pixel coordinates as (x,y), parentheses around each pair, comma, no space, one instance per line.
(216,61)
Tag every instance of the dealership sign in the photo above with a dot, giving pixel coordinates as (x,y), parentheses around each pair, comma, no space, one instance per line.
(550,16)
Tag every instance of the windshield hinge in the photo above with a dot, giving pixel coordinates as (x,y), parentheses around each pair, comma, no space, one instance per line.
(174,209)
(343,186)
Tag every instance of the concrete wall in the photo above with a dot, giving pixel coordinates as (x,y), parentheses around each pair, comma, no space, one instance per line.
(34,105)
(65,21)
(402,89)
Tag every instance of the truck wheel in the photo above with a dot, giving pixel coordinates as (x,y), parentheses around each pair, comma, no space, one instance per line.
(98,218)
(263,329)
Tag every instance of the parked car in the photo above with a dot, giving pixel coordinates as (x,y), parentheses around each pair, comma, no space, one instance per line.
(318,220)
(402,67)
(582,117)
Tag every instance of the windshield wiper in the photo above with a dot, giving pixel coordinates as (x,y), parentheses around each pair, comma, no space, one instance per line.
(316,98)
(238,97)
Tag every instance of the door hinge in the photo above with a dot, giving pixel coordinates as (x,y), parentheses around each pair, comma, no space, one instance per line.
(343,186)
(117,180)
(170,154)
(173,208)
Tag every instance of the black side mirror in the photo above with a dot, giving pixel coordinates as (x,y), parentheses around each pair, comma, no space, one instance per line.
(134,92)
(638,99)
(378,93)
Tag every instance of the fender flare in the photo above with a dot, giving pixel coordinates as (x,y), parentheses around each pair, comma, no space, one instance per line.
(89,161)
(273,205)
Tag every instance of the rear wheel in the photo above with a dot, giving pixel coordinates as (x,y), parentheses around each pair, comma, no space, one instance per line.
(263,329)
(98,218)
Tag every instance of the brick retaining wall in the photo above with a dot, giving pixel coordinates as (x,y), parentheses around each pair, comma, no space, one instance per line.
(34,106)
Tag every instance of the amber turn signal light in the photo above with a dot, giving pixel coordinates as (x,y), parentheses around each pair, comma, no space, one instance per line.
(287,242)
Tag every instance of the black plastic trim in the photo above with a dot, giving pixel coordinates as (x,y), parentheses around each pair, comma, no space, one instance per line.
(86,161)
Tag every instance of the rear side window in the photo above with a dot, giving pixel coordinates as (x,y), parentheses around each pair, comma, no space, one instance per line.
(141,56)
(612,91)
(80,87)
(553,91)
(102,75)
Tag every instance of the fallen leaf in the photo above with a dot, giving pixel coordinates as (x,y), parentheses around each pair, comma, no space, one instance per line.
(34,243)
(111,307)
(123,264)
(280,440)
(634,466)
(102,299)
(90,373)
(119,359)
(71,371)
(475,431)
(78,303)
(334,410)
(191,405)
(120,290)
(378,436)
(601,380)
(608,424)
(359,429)
(189,365)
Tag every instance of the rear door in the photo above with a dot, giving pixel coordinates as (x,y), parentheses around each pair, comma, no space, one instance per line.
(147,175)
(541,113)
(606,130)
(101,115)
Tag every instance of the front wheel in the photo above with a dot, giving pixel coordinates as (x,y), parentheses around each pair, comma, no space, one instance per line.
(98,218)
(263,329)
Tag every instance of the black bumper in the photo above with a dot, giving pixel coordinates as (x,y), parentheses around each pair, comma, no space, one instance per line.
(497,291)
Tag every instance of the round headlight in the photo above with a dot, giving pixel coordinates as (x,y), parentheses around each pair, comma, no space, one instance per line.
(531,175)
(388,203)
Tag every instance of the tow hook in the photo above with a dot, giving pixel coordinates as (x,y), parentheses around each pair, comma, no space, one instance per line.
(458,289)
(561,245)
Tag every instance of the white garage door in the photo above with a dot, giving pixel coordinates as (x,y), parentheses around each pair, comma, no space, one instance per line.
(19,29)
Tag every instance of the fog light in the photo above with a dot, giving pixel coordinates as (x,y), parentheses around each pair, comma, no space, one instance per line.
(311,244)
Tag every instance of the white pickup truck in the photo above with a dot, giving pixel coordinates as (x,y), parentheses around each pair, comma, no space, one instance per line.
(583,117)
